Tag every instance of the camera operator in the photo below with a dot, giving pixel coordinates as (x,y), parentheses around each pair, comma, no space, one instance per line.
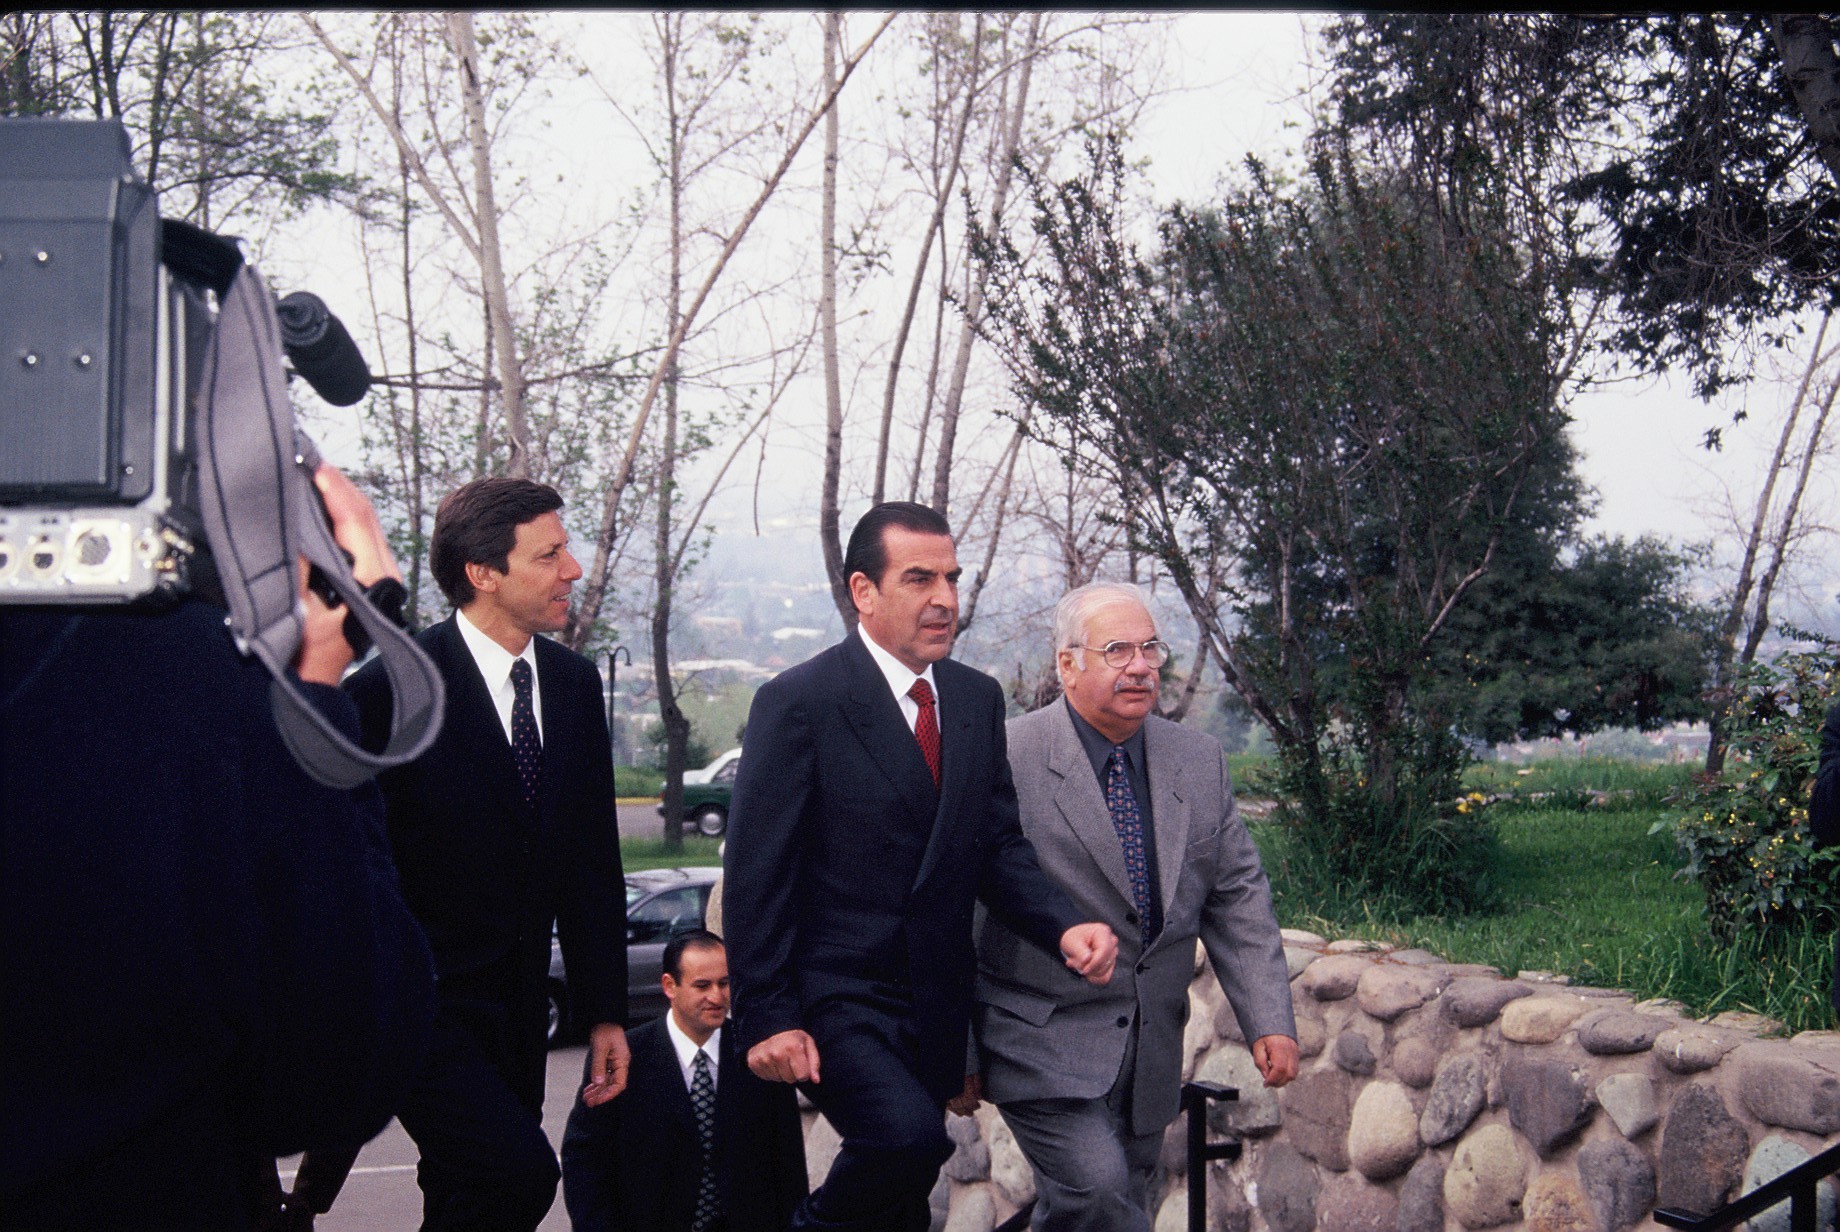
(208,960)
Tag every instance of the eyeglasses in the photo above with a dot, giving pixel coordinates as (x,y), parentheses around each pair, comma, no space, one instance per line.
(1120,654)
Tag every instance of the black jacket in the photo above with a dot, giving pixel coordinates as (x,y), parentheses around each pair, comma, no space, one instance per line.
(849,874)
(630,1165)
(205,957)
(485,875)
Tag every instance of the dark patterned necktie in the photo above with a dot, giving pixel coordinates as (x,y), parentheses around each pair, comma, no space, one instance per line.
(526,745)
(926,726)
(1128,820)
(703,1103)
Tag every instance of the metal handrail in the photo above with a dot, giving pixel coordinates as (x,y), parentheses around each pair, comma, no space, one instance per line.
(1800,1185)
(1195,1097)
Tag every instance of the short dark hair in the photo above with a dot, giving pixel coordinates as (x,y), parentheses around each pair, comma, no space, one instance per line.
(477,525)
(695,939)
(868,550)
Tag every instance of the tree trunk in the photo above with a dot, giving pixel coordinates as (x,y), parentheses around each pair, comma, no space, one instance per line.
(943,455)
(1724,667)
(935,224)
(829,515)
(501,337)
(1805,41)
(1786,527)
(676,725)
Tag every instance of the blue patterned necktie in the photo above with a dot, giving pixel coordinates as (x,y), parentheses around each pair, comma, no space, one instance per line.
(1128,820)
(703,1103)
(526,745)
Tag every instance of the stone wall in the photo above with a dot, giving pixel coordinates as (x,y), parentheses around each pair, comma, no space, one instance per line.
(1436,1096)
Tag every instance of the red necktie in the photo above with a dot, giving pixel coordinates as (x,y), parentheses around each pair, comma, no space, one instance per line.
(926,727)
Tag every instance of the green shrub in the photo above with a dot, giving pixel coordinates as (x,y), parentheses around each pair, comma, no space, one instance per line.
(1425,847)
(637,781)
(1745,835)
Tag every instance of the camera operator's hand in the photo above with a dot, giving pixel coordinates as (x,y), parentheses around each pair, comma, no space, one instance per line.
(324,652)
(356,526)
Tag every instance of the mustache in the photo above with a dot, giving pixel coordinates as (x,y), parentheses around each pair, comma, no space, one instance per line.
(1144,680)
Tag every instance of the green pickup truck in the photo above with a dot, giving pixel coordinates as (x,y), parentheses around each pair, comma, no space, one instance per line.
(706,804)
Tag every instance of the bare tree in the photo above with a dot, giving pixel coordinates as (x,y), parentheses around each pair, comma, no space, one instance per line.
(1774,527)
(622,476)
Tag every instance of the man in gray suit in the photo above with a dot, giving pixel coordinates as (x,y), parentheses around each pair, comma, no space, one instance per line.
(1134,817)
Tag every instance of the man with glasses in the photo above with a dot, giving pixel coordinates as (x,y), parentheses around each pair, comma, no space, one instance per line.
(1134,817)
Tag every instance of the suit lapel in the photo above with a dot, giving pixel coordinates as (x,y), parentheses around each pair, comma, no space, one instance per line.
(957,722)
(474,719)
(557,733)
(1169,801)
(668,1077)
(1082,804)
(876,718)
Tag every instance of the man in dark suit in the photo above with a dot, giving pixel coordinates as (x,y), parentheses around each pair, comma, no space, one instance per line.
(505,827)
(1134,817)
(873,806)
(639,1164)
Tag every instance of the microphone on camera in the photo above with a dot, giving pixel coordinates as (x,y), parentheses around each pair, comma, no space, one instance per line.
(321,350)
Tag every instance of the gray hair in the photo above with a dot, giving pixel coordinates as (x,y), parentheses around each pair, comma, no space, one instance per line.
(1077,606)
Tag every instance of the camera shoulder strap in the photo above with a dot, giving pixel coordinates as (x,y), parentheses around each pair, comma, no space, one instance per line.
(260,514)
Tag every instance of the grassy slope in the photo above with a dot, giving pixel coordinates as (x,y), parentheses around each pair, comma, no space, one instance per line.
(1588,892)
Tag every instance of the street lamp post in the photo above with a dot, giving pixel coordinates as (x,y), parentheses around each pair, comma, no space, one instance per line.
(613,667)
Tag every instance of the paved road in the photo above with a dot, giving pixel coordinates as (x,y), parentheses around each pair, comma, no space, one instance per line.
(381,1194)
(641,820)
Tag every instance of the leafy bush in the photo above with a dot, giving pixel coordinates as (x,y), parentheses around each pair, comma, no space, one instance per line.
(1745,835)
(1428,849)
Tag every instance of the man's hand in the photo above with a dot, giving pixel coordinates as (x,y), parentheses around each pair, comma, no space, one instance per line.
(1276,1057)
(1090,950)
(966,1101)
(790,1056)
(611,1058)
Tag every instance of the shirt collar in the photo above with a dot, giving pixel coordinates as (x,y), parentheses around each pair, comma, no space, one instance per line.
(687,1047)
(1098,748)
(494,660)
(899,678)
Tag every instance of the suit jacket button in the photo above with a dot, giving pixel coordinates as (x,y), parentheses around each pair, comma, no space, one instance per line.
(1123,1020)
(1130,917)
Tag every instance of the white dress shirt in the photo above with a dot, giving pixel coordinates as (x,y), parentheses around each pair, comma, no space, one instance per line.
(495,666)
(900,680)
(687,1050)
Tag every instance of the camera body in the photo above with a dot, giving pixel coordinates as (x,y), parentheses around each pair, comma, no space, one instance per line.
(101,346)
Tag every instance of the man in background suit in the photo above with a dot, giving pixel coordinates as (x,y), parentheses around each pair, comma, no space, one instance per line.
(873,807)
(637,1163)
(503,828)
(1134,817)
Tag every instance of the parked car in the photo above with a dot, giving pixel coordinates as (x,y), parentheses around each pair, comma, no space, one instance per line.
(706,804)
(660,903)
(709,772)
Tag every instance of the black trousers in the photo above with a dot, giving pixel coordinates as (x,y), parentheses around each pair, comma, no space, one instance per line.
(893,1130)
(476,1116)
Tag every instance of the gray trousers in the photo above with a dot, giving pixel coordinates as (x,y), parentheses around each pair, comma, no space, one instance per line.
(1092,1170)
